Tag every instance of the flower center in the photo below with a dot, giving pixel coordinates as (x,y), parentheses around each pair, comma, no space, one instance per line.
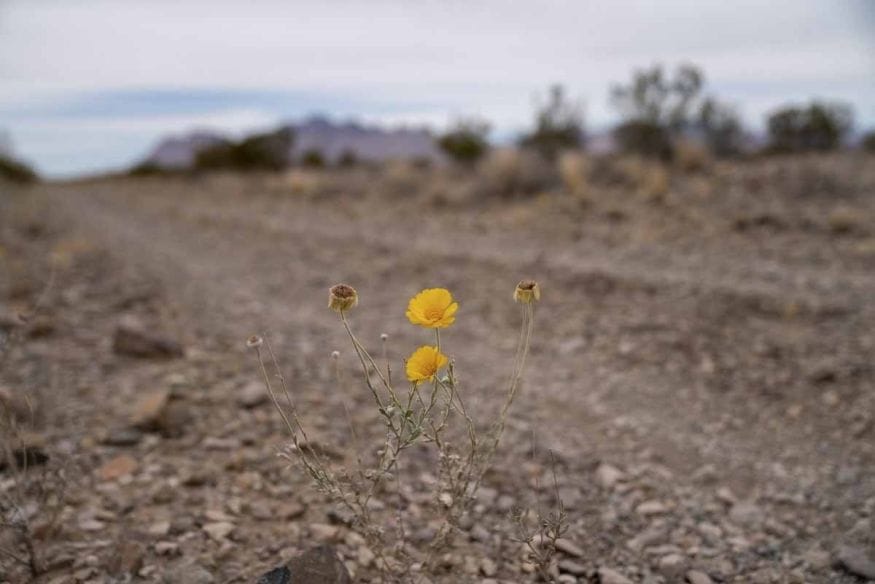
(433,313)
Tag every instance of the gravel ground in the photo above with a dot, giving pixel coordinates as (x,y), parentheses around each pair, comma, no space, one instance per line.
(702,367)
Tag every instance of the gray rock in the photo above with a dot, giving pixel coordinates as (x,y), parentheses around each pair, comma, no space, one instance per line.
(188,573)
(122,437)
(320,565)
(568,547)
(609,576)
(607,476)
(653,535)
(572,567)
(746,513)
(697,577)
(672,567)
(857,561)
(252,395)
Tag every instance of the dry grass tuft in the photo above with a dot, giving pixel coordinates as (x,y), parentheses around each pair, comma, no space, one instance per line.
(650,179)
(510,172)
(402,177)
(574,169)
(690,157)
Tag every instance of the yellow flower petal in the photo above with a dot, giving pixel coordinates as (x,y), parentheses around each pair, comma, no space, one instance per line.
(424,364)
(432,308)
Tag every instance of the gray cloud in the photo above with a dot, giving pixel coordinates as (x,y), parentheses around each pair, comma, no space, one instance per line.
(488,57)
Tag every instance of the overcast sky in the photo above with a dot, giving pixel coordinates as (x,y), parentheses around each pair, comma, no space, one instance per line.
(88,85)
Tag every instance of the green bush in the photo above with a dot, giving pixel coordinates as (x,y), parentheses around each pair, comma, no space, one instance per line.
(16,171)
(313,158)
(558,126)
(867,143)
(466,142)
(819,126)
(257,152)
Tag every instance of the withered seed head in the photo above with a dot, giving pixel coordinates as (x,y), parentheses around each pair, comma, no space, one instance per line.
(527,291)
(254,342)
(342,297)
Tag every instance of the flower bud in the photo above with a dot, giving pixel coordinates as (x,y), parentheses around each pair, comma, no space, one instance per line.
(527,291)
(342,297)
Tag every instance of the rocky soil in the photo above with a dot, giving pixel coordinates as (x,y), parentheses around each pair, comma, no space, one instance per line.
(702,368)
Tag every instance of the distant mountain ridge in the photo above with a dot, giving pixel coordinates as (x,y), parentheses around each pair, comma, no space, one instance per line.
(332,140)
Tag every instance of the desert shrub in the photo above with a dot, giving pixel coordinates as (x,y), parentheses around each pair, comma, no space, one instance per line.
(427,413)
(257,152)
(348,158)
(659,110)
(508,172)
(644,138)
(313,158)
(16,171)
(867,142)
(466,142)
(820,126)
(303,182)
(150,169)
(574,169)
(558,126)
(721,128)
(655,108)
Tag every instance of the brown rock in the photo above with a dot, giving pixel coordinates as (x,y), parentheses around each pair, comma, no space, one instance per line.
(218,530)
(134,340)
(149,409)
(117,467)
(156,412)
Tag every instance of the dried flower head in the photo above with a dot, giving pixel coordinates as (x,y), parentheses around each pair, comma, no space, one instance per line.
(335,354)
(432,308)
(342,297)
(254,342)
(424,363)
(527,291)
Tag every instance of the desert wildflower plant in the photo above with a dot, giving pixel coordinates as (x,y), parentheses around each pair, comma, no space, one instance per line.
(428,411)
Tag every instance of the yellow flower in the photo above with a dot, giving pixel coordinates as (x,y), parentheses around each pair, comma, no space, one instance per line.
(424,363)
(432,308)
(527,291)
(342,297)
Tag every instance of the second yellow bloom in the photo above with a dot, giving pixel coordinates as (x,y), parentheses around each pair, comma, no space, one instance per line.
(424,364)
